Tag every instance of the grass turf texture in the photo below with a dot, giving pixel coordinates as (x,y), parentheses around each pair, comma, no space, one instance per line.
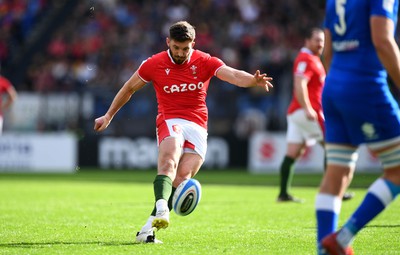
(99,212)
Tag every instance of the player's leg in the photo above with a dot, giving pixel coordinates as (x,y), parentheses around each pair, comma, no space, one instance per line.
(169,154)
(188,167)
(1,124)
(286,171)
(340,167)
(295,147)
(347,195)
(176,136)
(342,122)
(194,153)
(301,132)
(380,194)
(170,137)
(170,151)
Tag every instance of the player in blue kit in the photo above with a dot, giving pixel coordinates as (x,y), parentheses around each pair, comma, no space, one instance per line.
(360,50)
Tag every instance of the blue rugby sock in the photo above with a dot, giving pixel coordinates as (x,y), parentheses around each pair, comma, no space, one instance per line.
(327,214)
(380,194)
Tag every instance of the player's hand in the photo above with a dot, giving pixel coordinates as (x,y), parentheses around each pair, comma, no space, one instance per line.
(311,115)
(262,80)
(101,123)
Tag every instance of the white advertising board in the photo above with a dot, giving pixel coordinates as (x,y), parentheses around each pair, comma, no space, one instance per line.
(142,153)
(266,152)
(50,152)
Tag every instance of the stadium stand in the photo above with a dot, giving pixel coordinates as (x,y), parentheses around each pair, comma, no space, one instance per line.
(89,48)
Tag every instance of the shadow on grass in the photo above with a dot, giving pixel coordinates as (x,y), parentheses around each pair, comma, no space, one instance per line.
(46,244)
(383,226)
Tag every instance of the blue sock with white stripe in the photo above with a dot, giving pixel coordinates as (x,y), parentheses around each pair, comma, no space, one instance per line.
(380,194)
(327,213)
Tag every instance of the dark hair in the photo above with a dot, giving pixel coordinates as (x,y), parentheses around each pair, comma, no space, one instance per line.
(308,33)
(182,31)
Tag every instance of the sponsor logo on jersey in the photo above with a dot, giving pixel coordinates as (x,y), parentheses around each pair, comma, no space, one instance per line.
(347,45)
(184,87)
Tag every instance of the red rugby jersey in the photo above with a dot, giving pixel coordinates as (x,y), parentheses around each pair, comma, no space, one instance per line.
(309,66)
(4,86)
(181,90)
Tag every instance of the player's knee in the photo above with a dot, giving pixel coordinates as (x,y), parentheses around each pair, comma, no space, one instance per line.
(168,167)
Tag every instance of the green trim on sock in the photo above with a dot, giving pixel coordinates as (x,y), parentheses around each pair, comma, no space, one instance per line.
(286,175)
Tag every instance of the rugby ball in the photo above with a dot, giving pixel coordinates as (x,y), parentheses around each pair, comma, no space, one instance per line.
(187,196)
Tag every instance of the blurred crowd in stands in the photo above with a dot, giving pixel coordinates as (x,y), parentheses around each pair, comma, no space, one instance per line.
(17,19)
(96,48)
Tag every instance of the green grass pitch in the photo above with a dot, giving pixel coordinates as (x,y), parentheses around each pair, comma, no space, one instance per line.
(99,212)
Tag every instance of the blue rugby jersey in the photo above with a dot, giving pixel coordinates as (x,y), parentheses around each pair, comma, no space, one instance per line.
(357,102)
(354,55)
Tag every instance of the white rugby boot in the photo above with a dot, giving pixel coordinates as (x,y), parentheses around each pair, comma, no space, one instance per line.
(147,237)
(161,219)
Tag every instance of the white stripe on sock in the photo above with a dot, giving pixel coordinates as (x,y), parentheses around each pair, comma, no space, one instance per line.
(328,202)
(345,237)
(381,190)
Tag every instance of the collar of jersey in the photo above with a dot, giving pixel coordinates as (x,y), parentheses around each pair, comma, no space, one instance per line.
(306,50)
(187,60)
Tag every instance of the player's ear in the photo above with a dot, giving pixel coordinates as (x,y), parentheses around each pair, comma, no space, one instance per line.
(193,43)
(167,41)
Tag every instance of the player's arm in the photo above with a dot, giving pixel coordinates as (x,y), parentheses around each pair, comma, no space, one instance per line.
(10,98)
(244,79)
(382,31)
(121,98)
(301,94)
(328,50)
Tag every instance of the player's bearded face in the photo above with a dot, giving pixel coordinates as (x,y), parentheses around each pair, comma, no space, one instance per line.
(180,50)
(316,43)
